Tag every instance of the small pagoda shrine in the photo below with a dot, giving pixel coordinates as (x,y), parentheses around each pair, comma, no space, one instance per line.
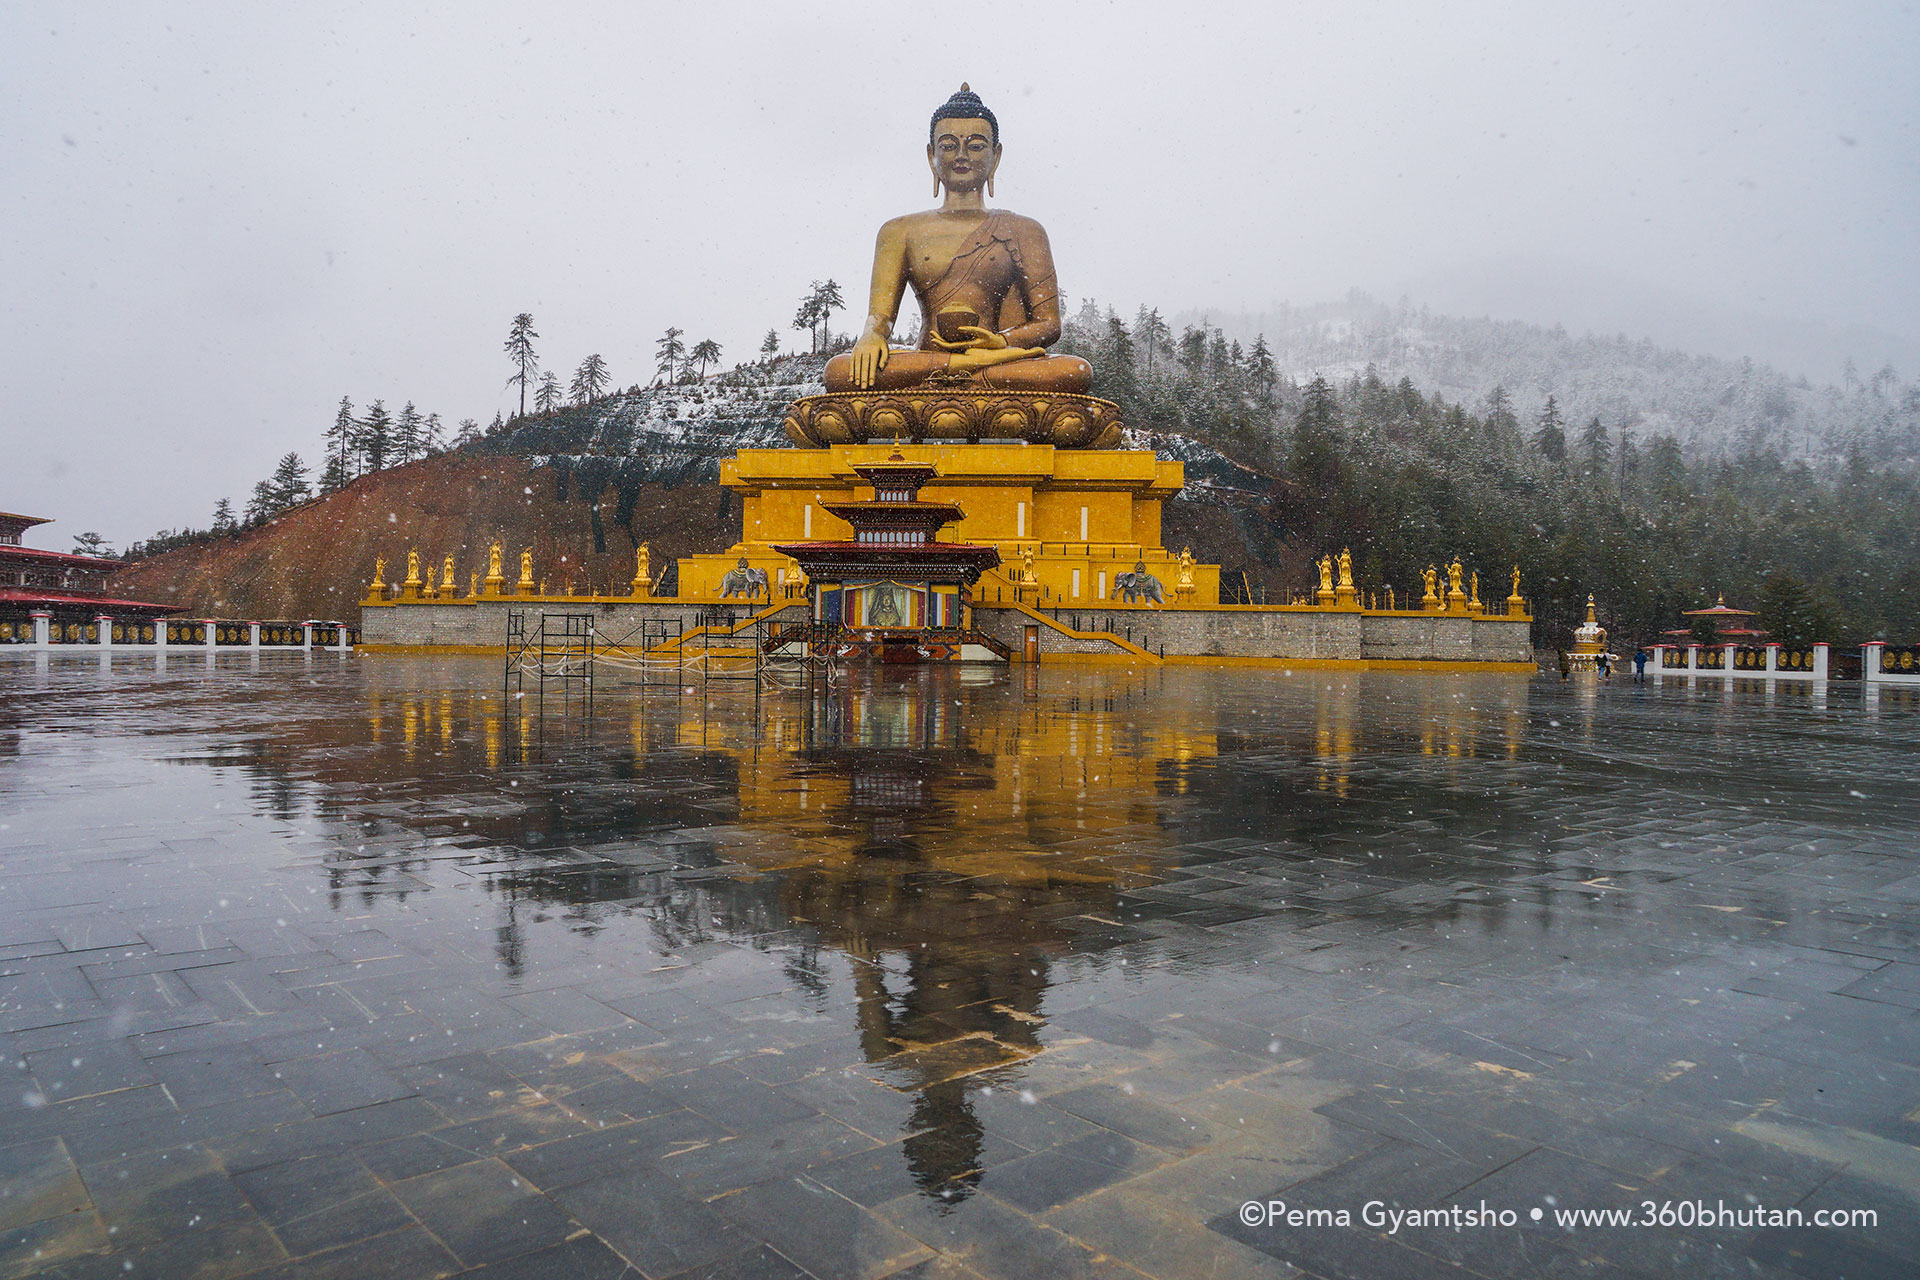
(1589,642)
(892,592)
(1730,625)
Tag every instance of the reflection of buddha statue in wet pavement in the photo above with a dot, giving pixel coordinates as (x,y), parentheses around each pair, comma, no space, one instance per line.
(989,309)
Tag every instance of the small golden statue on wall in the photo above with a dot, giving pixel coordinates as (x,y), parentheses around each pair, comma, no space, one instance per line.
(1346,592)
(1515,604)
(1456,574)
(642,571)
(446,579)
(1430,582)
(1183,585)
(1473,593)
(496,580)
(525,586)
(377,589)
(1325,594)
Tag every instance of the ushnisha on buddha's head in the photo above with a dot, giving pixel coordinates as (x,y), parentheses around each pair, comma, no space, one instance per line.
(963,144)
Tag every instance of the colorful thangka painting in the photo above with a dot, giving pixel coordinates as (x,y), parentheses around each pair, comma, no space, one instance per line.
(890,604)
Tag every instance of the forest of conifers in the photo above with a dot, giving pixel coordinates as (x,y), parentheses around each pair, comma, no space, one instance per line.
(1825,544)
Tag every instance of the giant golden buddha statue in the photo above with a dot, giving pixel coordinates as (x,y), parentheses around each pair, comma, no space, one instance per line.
(989,309)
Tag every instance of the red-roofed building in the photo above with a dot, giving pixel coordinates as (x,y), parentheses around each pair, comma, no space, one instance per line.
(895,592)
(69,589)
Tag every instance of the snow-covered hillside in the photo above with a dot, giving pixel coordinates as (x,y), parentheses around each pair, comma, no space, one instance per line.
(1709,404)
(678,432)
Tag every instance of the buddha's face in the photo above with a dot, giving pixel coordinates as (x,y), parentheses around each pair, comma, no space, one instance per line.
(963,154)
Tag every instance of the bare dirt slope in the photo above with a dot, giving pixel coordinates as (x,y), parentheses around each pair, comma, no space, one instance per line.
(315,560)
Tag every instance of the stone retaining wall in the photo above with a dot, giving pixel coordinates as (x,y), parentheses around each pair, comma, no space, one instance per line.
(484,622)
(1233,632)
(1254,632)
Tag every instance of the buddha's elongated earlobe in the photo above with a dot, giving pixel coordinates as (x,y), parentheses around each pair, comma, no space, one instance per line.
(989,186)
(936,186)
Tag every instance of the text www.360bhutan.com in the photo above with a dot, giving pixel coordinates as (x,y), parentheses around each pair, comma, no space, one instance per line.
(1380,1216)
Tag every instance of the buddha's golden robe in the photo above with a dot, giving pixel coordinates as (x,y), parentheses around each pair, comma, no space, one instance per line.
(1003,272)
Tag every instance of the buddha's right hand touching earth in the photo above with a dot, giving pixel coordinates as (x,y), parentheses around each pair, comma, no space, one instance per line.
(869,358)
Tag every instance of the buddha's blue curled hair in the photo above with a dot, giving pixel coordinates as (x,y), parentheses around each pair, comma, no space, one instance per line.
(965,104)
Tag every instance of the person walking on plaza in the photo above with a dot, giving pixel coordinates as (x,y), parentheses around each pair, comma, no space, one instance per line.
(1639,666)
(1566,665)
(1605,663)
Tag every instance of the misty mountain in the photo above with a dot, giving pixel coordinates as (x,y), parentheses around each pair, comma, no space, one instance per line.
(1713,406)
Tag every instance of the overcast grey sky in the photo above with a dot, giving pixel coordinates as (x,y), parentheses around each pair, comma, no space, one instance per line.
(220,219)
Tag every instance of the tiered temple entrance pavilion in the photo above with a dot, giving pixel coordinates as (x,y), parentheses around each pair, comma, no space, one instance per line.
(891,591)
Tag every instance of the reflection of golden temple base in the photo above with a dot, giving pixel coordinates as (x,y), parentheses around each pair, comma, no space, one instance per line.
(957,412)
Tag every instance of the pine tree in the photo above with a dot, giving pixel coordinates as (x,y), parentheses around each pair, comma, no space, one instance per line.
(289,482)
(520,350)
(332,477)
(669,353)
(498,424)
(1219,358)
(406,435)
(1667,471)
(1596,447)
(549,396)
(260,505)
(1792,613)
(770,345)
(1315,460)
(433,437)
(830,302)
(1152,334)
(340,443)
(223,516)
(1261,368)
(91,544)
(704,352)
(376,437)
(1115,357)
(1503,424)
(590,380)
(1193,350)
(1550,435)
(807,317)
(469,433)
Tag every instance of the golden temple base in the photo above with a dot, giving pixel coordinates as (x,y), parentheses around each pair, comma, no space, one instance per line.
(1082,516)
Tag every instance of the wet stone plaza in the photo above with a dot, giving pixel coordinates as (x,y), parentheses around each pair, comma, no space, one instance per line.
(362,967)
